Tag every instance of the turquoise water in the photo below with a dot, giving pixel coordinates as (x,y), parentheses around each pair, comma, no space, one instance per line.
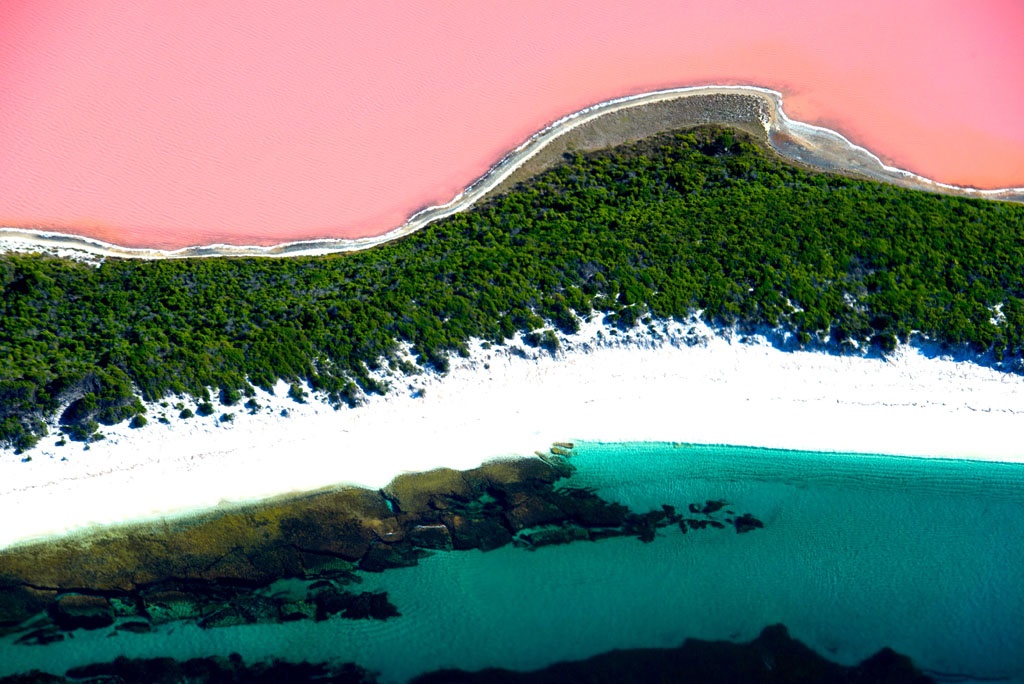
(858,552)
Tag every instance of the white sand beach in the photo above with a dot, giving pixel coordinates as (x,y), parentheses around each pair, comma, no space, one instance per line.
(688,386)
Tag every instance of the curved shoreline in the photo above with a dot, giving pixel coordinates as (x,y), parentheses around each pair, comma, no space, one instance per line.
(803,143)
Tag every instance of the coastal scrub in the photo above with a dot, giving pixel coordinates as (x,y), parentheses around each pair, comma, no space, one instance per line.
(682,222)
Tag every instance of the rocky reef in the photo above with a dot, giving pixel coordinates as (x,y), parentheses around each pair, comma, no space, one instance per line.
(772,657)
(225,568)
(229,670)
(303,559)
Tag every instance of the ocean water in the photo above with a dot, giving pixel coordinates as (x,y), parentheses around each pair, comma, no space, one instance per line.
(858,552)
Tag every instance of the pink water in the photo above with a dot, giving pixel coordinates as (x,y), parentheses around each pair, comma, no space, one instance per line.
(165,124)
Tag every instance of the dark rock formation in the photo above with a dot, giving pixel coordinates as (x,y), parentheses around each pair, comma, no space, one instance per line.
(380,557)
(712,507)
(18,602)
(230,670)
(477,532)
(77,611)
(213,570)
(362,606)
(532,511)
(34,677)
(40,637)
(746,523)
(547,536)
(587,510)
(434,536)
(416,493)
(772,658)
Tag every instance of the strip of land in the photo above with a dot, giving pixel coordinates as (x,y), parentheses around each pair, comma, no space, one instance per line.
(683,382)
(621,120)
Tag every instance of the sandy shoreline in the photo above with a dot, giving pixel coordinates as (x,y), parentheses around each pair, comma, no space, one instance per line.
(806,144)
(688,386)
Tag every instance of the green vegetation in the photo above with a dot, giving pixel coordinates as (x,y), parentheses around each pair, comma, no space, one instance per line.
(545,339)
(297,393)
(230,396)
(680,223)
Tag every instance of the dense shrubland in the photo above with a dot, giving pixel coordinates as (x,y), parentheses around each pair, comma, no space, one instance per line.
(675,224)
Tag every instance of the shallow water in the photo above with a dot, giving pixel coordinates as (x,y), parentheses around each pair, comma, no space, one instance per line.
(858,552)
(166,125)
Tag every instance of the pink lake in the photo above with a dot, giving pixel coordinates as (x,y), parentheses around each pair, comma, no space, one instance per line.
(166,124)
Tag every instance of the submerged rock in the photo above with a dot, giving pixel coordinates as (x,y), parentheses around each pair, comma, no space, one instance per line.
(381,557)
(586,509)
(354,606)
(212,569)
(317,565)
(170,605)
(230,670)
(135,627)
(18,603)
(41,637)
(77,611)
(771,658)
(713,506)
(478,532)
(33,677)
(431,537)
(532,512)
(747,523)
(548,536)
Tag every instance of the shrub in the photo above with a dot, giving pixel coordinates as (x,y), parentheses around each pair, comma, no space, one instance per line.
(297,393)
(230,397)
(549,341)
(205,408)
(138,420)
(186,413)
(546,340)
(82,432)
